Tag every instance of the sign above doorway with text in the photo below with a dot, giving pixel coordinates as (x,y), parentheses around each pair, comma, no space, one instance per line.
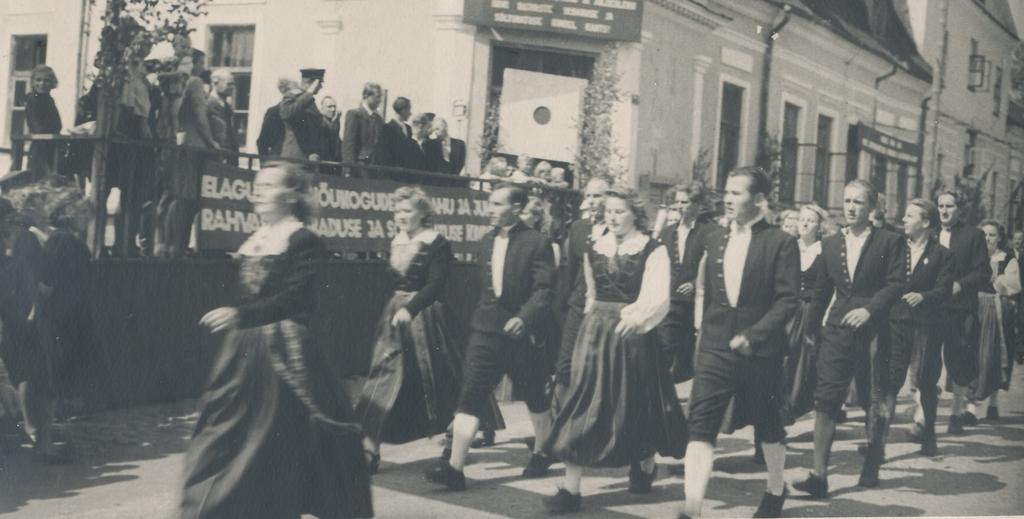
(607,19)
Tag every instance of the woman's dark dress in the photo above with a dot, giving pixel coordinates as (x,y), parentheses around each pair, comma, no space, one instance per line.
(43,118)
(620,406)
(275,437)
(26,361)
(412,388)
(997,338)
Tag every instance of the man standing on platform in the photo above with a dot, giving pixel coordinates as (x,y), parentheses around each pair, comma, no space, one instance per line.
(220,113)
(752,279)
(396,137)
(303,122)
(517,272)
(363,127)
(684,242)
(864,270)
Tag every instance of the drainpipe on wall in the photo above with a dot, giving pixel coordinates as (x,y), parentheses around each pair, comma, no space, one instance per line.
(878,82)
(922,121)
(778,23)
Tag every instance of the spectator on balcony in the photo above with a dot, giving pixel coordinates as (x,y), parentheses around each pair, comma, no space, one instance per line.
(332,129)
(272,131)
(396,137)
(43,118)
(418,158)
(363,128)
(449,155)
(542,172)
(523,173)
(221,115)
(558,179)
(303,123)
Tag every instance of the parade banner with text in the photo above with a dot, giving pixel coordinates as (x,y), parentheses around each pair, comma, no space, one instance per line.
(354,215)
(608,19)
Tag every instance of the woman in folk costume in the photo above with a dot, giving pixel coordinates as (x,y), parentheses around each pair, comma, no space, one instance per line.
(412,388)
(620,407)
(996,313)
(275,436)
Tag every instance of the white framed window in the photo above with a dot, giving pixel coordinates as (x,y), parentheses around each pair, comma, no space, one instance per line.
(731,127)
(791,139)
(231,47)
(27,51)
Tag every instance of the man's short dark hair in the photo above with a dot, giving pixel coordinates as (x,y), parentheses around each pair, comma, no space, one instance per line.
(760,182)
(517,195)
(401,104)
(959,196)
(370,89)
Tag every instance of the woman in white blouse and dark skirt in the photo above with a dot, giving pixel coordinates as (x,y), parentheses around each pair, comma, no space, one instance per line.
(996,313)
(620,407)
(412,387)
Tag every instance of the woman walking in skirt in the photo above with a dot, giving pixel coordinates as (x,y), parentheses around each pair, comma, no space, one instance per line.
(996,314)
(620,407)
(275,437)
(413,385)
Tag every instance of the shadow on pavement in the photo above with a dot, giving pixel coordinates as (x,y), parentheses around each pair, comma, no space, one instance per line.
(106,445)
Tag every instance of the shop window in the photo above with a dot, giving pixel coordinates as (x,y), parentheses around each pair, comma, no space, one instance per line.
(730,127)
(823,160)
(790,153)
(231,48)
(27,51)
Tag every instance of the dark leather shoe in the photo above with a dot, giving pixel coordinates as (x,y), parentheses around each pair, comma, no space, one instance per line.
(814,486)
(928,446)
(992,413)
(486,439)
(538,466)
(771,505)
(968,419)
(916,433)
(563,502)
(956,425)
(639,481)
(445,475)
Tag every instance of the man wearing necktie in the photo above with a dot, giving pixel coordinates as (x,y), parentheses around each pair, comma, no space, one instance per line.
(751,284)
(396,138)
(863,275)
(517,276)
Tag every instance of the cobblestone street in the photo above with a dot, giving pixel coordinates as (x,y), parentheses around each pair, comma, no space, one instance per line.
(130,463)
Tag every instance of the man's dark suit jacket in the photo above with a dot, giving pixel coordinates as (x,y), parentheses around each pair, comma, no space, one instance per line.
(971,266)
(685,271)
(271,133)
(332,139)
(222,123)
(395,143)
(527,282)
(435,156)
(877,282)
(932,278)
(363,136)
(303,118)
(769,291)
(416,156)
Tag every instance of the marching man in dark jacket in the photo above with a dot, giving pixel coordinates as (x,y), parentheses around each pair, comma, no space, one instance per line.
(517,275)
(752,279)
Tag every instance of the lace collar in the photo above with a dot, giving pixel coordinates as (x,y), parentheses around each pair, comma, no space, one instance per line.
(632,244)
(999,256)
(425,236)
(270,240)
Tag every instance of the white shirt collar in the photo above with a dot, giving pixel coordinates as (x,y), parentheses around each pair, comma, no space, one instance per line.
(863,236)
(608,246)
(734,226)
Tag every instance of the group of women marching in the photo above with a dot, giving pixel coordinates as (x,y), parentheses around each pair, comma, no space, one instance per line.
(277,437)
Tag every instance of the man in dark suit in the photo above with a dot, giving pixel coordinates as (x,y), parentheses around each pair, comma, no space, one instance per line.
(684,243)
(516,274)
(268,144)
(971,270)
(448,155)
(303,122)
(396,137)
(915,324)
(863,267)
(332,129)
(363,127)
(751,284)
(416,151)
(220,113)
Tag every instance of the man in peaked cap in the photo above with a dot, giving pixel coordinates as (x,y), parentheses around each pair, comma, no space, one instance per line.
(303,122)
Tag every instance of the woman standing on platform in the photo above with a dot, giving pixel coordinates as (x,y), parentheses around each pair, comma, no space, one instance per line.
(275,437)
(620,406)
(996,315)
(412,388)
(42,117)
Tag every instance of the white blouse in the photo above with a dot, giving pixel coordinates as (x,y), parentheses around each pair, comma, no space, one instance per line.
(808,253)
(652,304)
(1008,283)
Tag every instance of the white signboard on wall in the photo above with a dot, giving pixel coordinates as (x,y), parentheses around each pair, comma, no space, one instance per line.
(540,114)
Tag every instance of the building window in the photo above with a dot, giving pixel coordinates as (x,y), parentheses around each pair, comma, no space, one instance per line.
(997,91)
(231,48)
(852,153)
(28,51)
(790,152)
(823,160)
(729,130)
